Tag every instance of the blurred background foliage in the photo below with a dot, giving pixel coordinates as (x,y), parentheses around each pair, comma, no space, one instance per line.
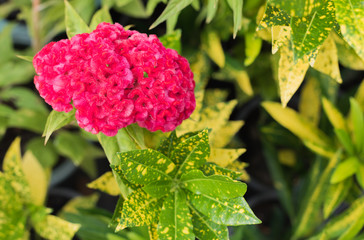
(304,163)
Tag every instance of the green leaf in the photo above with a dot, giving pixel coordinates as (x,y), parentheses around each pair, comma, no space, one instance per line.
(359,95)
(74,23)
(173,7)
(350,16)
(175,219)
(226,212)
(345,169)
(290,73)
(213,169)
(335,117)
(335,196)
(158,189)
(356,114)
(296,7)
(12,167)
(100,16)
(314,197)
(167,145)
(237,7)
(273,17)
(224,157)
(360,176)
(354,229)
(172,40)
(151,4)
(211,44)
(26,58)
(309,32)
(289,119)
(72,146)
(55,121)
(345,140)
(21,72)
(133,8)
(253,45)
(145,166)
(310,104)
(211,10)
(28,119)
(139,209)
(56,228)
(106,183)
(191,153)
(347,55)
(214,186)
(6,46)
(46,155)
(205,229)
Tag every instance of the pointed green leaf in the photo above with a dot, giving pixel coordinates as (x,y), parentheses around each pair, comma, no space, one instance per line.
(226,212)
(295,7)
(175,218)
(206,229)
(151,5)
(158,189)
(354,229)
(145,166)
(25,58)
(173,7)
(214,186)
(345,140)
(335,117)
(172,40)
(213,169)
(100,16)
(310,104)
(253,45)
(224,156)
(289,119)
(237,7)
(309,32)
(168,144)
(12,167)
(211,44)
(192,153)
(53,227)
(350,16)
(139,209)
(347,55)
(55,121)
(345,169)
(72,146)
(356,114)
(359,95)
(335,196)
(74,23)
(273,17)
(211,10)
(106,183)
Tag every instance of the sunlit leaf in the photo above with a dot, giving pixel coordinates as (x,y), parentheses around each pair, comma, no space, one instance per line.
(226,212)
(273,17)
(335,117)
(74,23)
(215,186)
(360,175)
(211,44)
(280,36)
(310,104)
(335,196)
(347,55)
(357,118)
(100,16)
(350,16)
(252,48)
(345,169)
(295,7)
(57,120)
(223,157)
(56,228)
(106,183)
(345,140)
(175,219)
(76,203)
(213,169)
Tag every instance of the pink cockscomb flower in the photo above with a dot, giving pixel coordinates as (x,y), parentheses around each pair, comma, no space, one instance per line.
(114,78)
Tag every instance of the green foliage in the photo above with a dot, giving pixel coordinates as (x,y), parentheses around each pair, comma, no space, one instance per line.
(169,184)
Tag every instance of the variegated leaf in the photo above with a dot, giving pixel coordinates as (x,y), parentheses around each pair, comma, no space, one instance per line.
(310,101)
(213,169)
(211,43)
(175,219)
(223,157)
(106,183)
(158,189)
(273,17)
(55,228)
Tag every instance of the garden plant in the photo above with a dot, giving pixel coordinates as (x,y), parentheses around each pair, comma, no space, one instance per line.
(182,119)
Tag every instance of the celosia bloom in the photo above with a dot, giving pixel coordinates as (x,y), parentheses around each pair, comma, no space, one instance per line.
(115,77)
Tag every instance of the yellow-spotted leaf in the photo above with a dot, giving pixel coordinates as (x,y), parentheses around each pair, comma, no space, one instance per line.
(74,204)
(226,133)
(106,183)
(213,169)
(55,228)
(168,144)
(335,117)
(310,104)
(327,60)
(214,186)
(139,209)
(12,167)
(228,212)
(290,73)
(273,17)
(159,189)
(153,231)
(223,157)
(347,55)
(295,8)
(191,153)
(74,23)
(309,32)
(175,219)
(280,36)
(211,44)
(206,229)
(299,126)
(36,178)
(350,16)
(144,166)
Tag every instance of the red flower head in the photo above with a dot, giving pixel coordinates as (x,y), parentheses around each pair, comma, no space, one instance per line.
(115,77)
